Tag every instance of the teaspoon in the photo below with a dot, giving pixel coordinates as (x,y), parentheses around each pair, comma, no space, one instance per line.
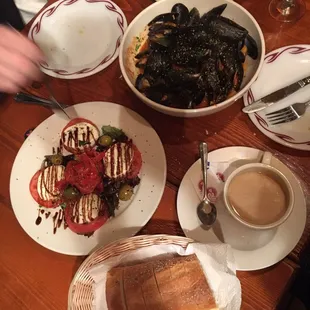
(206,210)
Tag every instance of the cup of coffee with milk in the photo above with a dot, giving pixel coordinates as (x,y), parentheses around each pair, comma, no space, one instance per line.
(258,195)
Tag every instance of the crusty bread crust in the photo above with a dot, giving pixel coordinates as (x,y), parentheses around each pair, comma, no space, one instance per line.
(164,284)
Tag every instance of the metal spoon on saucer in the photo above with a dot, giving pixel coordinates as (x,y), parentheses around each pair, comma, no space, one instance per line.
(206,210)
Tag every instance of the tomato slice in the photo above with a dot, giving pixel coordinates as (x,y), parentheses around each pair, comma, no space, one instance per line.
(96,157)
(85,228)
(74,122)
(136,163)
(78,120)
(83,174)
(33,187)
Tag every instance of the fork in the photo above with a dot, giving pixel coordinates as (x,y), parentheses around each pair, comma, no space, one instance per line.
(288,114)
(32,99)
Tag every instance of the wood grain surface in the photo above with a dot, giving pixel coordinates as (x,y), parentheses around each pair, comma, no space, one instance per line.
(32,277)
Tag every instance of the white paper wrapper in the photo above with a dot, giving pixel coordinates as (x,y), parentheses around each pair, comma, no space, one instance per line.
(216,260)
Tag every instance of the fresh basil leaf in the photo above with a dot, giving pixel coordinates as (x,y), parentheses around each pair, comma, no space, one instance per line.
(81,142)
(113,132)
(63,205)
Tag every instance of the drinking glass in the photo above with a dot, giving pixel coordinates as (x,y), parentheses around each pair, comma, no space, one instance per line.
(287,10)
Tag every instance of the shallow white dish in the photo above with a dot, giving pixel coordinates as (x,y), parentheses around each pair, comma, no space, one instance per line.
(252,249)
(282,67)
(130,218)
(78,37)
(234,11)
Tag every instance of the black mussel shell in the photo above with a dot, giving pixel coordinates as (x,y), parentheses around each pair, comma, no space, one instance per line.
(142,83)
(214,13)
(251,47)
(163,18)
(194,17)
(182,13)
(142,54)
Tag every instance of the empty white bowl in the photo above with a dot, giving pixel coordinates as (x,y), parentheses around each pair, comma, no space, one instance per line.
(233,11)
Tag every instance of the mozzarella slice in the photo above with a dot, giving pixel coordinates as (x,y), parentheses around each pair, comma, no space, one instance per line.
(86,209)
(79,135)
(47,182)
(118,159)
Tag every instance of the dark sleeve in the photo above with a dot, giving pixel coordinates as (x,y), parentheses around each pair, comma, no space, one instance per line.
(10,14)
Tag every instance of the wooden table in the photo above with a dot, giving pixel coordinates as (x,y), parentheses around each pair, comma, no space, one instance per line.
(32,277)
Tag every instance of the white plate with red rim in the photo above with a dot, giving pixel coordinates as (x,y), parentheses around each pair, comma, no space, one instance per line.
(78,37)
(282,67)
(130,217)
(252,249)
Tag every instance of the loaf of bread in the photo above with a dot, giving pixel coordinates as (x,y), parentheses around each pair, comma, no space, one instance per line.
(176,283)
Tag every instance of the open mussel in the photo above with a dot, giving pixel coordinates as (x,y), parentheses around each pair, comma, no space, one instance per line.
(181,13)
(252,49)
(189,56)
(232,66)
(190,61)
(142,58)
(164,40)
(158,64)
(194,17)
(142,54)
(161,28)
(142,83)
(223,29)
(163,18)
(182,77)
(214,13)
(156,93)
(241,51)
(210,79)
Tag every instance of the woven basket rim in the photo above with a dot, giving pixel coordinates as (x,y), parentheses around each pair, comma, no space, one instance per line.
(152,239)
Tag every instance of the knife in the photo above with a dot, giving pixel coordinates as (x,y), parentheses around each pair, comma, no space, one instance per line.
(54,100)
(276,96)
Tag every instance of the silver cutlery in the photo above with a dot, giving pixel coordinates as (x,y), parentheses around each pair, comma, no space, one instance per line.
(47,84)
(32,99)
(206,211)
(52,97)
(288,114)
(276,96)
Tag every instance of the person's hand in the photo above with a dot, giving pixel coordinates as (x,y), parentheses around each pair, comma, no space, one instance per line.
(19,59)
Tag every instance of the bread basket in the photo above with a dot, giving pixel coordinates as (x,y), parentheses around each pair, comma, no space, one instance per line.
(81,294)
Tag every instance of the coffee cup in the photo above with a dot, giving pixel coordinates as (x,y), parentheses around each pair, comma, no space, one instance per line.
(258,195)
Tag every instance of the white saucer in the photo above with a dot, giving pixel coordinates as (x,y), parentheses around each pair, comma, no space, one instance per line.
(252,249)
(282,67)
(78,37)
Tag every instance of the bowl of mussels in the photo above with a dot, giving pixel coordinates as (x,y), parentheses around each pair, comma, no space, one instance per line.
(193,58)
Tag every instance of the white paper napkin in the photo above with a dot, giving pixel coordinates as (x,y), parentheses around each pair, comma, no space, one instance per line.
(218,172)
(216,259)
(217,175)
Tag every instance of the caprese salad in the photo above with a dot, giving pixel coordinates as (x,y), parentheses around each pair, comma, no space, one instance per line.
(99,170)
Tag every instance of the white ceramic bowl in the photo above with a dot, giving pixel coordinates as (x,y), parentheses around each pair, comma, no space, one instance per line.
(233,11)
